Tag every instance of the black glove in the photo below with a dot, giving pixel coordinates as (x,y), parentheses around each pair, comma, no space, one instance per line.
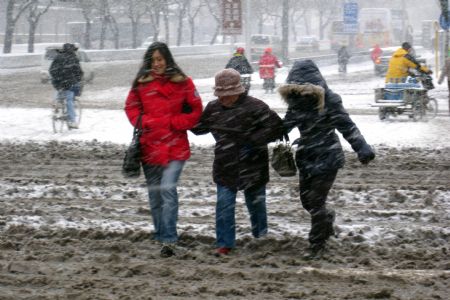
(366,154)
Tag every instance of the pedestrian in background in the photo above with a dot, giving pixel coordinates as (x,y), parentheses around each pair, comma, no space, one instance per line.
(169,105)
(242,126)
(317,112)
(240,63)
(343,58)
(66,77)
(267,64)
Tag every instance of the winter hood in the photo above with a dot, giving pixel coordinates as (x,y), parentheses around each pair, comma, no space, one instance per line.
(400,52)
(306,71)
(303,95)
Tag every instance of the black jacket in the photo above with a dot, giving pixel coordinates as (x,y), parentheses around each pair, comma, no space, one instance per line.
(317,111)
(343,55)
(242,132)
(65,70)
(240,64)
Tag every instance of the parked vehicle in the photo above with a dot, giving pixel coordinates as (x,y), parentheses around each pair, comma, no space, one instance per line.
(50,54)
(307,43)
(260,42)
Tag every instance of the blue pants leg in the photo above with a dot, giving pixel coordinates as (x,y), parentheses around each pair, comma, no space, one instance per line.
(255,199)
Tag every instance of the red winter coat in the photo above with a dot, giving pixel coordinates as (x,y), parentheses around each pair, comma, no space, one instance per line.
(267,64)
(164,121)
(376,53)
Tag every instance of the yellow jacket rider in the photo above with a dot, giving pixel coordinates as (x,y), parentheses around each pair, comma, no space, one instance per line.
(399,64)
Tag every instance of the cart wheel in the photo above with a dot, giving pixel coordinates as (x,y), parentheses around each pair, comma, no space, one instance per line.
(382,113)
(417,111)
(431,108)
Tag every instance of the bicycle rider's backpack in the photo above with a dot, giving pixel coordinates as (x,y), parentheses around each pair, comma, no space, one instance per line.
(131,167)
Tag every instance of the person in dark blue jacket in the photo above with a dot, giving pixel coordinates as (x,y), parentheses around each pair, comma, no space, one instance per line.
(317,112)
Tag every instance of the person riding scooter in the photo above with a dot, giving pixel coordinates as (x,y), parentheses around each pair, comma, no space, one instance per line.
(401,61)
(240,63)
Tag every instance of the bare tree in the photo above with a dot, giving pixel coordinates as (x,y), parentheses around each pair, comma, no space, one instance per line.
(35,11)
(135,10)
(14,9)
(192,12)
(154,10)
(214,9)
(180,13)
(88,11)
(297,13)
(165,13)
(264,11)
(327,12)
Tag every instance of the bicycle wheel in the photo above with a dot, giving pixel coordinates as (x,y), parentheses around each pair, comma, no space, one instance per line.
(418,110)
(431,108)
(59,117)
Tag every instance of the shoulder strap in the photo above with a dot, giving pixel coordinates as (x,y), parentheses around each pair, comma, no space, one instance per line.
(138,128)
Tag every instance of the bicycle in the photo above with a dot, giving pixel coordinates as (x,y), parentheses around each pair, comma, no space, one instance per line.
(60,116)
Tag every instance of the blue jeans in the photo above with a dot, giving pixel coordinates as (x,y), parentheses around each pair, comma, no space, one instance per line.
(69,94)
(163,198)
(255,199)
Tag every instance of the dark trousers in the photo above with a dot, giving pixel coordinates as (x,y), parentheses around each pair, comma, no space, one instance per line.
(313,194)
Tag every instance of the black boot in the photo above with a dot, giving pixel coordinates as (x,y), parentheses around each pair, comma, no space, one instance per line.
(315,251)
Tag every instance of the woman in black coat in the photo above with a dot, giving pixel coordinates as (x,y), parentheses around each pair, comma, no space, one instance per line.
(317,112)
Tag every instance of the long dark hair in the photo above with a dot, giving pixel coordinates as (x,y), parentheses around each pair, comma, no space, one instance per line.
(171,69)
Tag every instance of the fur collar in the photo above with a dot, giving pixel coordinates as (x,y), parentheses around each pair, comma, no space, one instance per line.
(177,78)
(291,92)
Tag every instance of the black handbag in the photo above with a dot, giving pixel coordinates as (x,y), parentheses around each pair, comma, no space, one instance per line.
(131,167)
(283,159)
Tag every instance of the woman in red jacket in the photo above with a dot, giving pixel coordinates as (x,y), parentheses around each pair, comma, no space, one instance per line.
(267,64)
(170,105)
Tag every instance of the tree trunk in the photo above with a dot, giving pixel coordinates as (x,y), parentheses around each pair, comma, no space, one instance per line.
(31,36)
(103,33)
(134,31)
(9,29)
(87,35)
(166,23)
(192,25)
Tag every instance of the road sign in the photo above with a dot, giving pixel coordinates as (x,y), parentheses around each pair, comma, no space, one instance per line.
(231,17)
(444,24)
(350,12)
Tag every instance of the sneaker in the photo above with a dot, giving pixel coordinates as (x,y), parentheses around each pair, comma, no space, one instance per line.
(73,125)
(167,251)
(222,251)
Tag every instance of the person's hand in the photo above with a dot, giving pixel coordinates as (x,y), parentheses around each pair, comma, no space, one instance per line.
(366,154)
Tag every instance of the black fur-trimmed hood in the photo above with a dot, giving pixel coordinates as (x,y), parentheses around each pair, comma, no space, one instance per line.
(296,94)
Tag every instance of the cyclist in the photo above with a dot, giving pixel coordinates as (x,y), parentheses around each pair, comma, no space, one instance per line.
(66,77)
(240,63)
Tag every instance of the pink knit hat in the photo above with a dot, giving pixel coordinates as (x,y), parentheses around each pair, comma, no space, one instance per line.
(228,83)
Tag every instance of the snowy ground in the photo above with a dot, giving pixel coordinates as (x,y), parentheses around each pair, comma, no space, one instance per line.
(73,228)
